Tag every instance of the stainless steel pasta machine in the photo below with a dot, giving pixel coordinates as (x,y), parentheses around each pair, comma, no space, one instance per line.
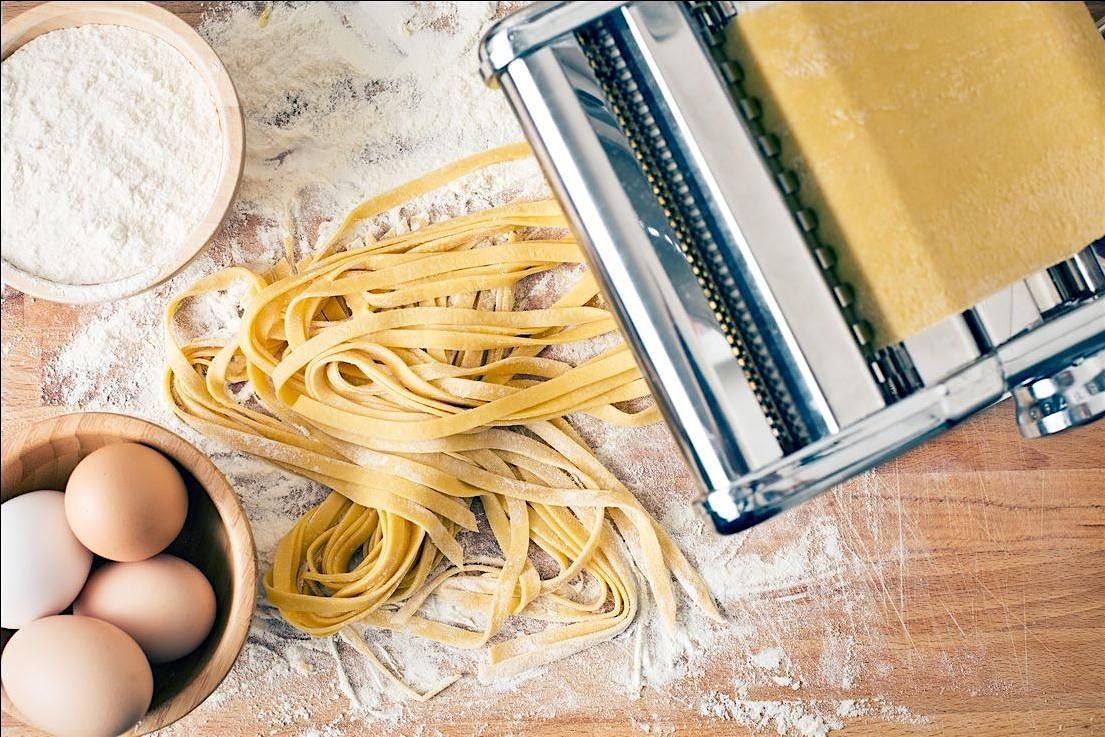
(747,337)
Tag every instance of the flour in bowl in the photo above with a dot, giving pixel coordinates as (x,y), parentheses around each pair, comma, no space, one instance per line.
(112,151)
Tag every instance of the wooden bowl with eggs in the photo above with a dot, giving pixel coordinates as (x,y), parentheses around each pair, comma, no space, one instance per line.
(216,538)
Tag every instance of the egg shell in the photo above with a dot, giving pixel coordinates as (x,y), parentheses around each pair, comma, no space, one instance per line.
(165,603)
(126,502)
(76,676)
(42,564)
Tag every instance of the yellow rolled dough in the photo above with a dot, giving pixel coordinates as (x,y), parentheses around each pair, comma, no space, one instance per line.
(949,149)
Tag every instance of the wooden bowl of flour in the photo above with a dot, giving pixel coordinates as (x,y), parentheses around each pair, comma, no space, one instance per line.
(167,27)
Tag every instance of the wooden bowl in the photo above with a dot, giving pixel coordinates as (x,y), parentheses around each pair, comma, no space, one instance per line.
(171,29)
(216,539)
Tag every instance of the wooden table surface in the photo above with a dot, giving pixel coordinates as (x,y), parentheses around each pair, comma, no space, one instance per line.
(988,600)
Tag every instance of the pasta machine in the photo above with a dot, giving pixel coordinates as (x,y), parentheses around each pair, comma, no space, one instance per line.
(748,339)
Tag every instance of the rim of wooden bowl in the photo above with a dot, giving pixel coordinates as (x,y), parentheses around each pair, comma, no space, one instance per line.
(163,24)
(243,565)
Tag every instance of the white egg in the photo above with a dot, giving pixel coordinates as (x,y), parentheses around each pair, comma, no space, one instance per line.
(42,564)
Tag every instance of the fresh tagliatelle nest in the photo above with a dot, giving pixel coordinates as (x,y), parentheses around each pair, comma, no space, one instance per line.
(401,374)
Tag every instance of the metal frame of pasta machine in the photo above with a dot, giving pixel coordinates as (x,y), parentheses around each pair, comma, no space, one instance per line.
(747,338)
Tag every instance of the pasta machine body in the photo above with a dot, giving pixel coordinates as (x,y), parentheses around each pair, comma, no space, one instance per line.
(748,339)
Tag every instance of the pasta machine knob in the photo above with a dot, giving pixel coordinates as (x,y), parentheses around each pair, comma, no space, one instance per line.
(1067,398)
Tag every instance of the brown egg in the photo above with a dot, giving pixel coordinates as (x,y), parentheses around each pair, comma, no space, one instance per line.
(164,603)
(126,502)
(77,677)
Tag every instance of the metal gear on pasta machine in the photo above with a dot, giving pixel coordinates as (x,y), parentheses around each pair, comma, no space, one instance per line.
(746,336)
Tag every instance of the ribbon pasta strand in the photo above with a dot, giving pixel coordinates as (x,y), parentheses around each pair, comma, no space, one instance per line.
(401,373)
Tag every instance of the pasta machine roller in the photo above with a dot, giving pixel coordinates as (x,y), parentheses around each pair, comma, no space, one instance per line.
(749,341)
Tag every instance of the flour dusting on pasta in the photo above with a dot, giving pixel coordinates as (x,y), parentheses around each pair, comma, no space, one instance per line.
(399,94)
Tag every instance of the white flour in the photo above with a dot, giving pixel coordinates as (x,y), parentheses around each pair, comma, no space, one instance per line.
(111,153)
(357,99)
(349,99)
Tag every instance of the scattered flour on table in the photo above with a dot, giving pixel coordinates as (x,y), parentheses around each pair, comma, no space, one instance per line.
(111,153)
(342,101)
(347,99)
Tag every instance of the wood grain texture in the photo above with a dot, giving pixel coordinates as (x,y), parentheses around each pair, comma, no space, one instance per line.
(32,22)
(216,539)
(978,599)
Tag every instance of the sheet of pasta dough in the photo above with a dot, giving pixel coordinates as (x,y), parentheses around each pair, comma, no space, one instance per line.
(948,148)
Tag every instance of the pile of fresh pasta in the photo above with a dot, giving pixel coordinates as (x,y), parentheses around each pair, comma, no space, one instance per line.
(401,373)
